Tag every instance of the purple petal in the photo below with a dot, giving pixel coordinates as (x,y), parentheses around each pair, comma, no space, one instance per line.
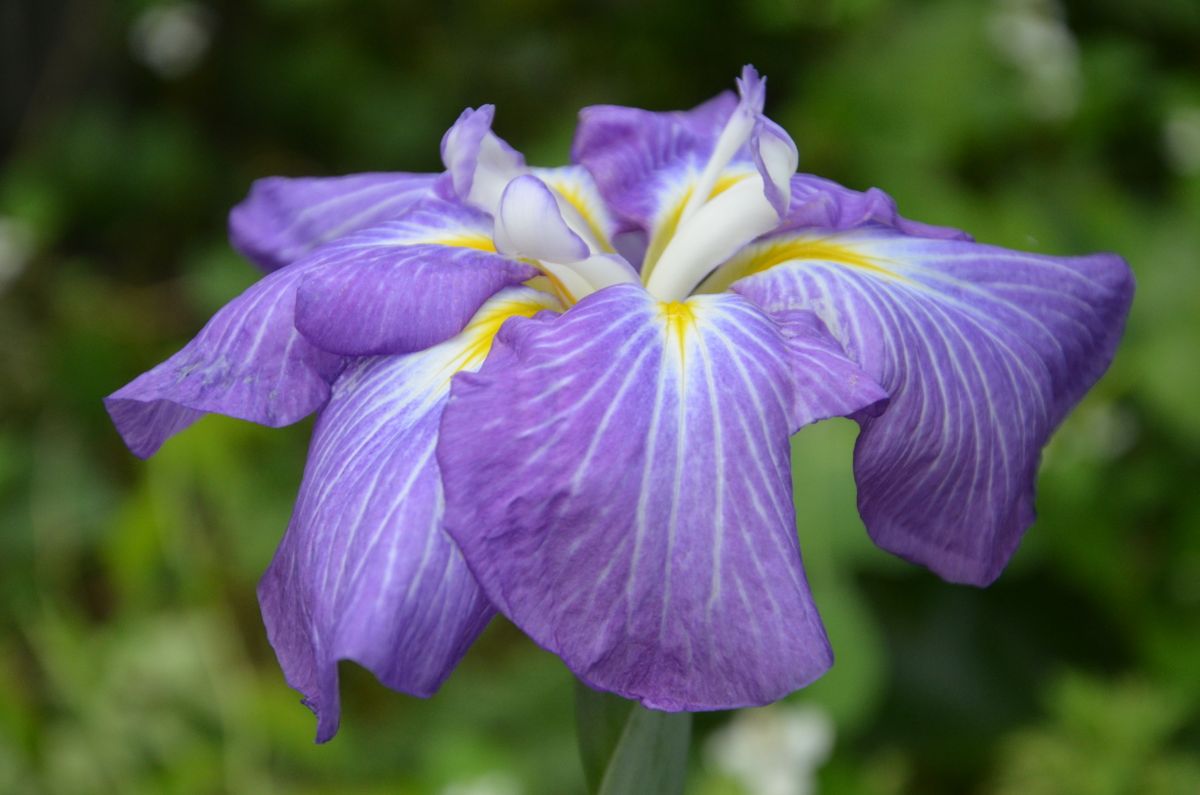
(618,480)
(750,136)
(365,572)
(824,204)
(284,218)
(248,362)
(630,152)
(657,171)
(403,285)
(983,351)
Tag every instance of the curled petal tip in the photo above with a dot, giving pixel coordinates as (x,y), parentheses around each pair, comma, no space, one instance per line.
(530,224)
(468,119)
(479,162)
(776,157)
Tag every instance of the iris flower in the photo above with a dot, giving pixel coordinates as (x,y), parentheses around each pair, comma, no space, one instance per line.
(566,395)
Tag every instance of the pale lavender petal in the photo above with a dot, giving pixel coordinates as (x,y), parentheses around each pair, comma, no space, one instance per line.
(618,480)
(478,163)
(583,207)
(983,351)
(751,136)
(365,572)
(752,88)
(248,362)
(530,224)
(775,156)
(403,285)
(284,218)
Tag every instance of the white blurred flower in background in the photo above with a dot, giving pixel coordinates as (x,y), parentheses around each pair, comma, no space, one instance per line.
(495,783)
(774,750)
(1034,38)
(171,39)
(16,248)
(1181,136)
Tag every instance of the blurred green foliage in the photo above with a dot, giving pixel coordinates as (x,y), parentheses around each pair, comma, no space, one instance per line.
(132,659)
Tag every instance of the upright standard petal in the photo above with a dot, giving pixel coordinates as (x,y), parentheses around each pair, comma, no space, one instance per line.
(365,572)
(618,481)
(284,218)
(983,351)
(698,184)
(248,362)
(627,149)
(478,162)
(403,285)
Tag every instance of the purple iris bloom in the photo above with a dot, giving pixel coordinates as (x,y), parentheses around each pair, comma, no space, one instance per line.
(566,394)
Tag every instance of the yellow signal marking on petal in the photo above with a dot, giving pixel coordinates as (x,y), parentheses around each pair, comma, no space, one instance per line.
(542,283)
(466,240)
(547,282)
(481,332)
(724,183)
(670,224)
(756,259)
(663,234)
(679,319)
(557,288)
(574,197)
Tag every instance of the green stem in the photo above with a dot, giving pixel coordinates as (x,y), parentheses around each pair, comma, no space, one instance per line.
(627,749)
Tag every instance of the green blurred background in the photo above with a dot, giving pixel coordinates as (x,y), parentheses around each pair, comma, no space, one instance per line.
(132,657)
